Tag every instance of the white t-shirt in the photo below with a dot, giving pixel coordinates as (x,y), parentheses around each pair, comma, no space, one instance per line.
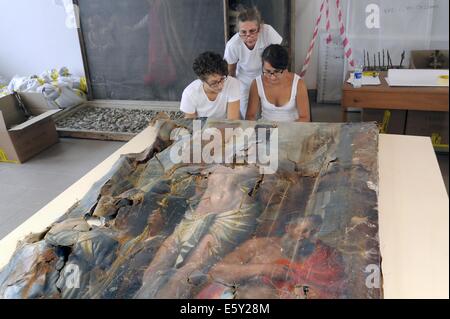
(195,100)
(249,62)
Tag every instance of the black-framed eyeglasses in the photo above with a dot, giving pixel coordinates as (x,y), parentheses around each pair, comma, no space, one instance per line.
(276,72)
(216,84)
(249,33)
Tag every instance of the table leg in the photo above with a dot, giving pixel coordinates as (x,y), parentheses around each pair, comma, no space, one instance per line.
(406,123)
(344,114)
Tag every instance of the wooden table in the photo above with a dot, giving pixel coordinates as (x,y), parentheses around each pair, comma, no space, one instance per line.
(394,98)
(413,210)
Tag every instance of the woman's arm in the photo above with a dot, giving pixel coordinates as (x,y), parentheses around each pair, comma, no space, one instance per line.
(303,103)
(232,70)
(190,115)
(233,110)
(253,103)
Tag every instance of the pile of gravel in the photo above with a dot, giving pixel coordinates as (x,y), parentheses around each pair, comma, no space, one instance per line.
(111,119)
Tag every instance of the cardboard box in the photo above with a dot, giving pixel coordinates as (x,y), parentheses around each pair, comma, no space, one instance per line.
(21,139)
(432,124)
(389,121)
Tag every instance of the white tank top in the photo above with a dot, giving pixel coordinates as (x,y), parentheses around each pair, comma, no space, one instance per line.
(285,113)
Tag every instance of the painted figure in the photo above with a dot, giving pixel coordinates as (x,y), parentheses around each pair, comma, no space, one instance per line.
(295,265)
(224,217)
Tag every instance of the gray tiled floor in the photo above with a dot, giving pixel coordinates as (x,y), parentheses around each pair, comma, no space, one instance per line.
(26,188)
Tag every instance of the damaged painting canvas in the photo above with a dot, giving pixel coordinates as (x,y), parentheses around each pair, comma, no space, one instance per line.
(166,223)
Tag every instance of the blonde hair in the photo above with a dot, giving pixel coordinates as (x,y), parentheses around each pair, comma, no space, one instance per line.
(246,14)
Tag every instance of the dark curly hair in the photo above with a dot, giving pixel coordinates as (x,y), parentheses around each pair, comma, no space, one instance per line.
(209,63)
(277,56)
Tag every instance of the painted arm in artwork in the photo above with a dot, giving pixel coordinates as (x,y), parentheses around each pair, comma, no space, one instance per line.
(142,24)
(240,264)
(160,269)
(164,258)
(180,283)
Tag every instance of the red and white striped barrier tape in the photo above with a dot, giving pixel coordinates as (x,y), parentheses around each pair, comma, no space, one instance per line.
(313,41)
(328,25)
(346,41)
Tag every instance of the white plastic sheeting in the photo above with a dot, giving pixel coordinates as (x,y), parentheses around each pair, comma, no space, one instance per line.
(3,86)
(60,88)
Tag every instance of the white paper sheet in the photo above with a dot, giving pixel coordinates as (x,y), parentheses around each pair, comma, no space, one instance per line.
(366,80)
(417,77)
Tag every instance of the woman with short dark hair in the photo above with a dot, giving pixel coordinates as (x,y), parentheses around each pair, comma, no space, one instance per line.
(243,51)
(214,94)
(280,95)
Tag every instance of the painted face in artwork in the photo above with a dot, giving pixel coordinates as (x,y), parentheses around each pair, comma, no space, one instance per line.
(300,238)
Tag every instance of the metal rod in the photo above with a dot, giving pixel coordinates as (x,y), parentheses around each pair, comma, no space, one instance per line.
(364,54)
(403,58)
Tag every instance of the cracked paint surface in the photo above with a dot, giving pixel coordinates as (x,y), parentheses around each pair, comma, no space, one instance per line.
(154,229)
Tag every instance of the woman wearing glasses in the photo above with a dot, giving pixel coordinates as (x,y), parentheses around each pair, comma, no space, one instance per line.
(280,95)
(215,94)
(243,51)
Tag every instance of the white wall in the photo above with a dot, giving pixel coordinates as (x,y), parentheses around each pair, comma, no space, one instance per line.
(35,38)
(440,29)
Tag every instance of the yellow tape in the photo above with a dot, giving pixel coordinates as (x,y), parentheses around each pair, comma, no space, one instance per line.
(78,92)
(83,84)
(436,139)
(442,80)
(385,125)
(371,73)
(4,158)
(54,75)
